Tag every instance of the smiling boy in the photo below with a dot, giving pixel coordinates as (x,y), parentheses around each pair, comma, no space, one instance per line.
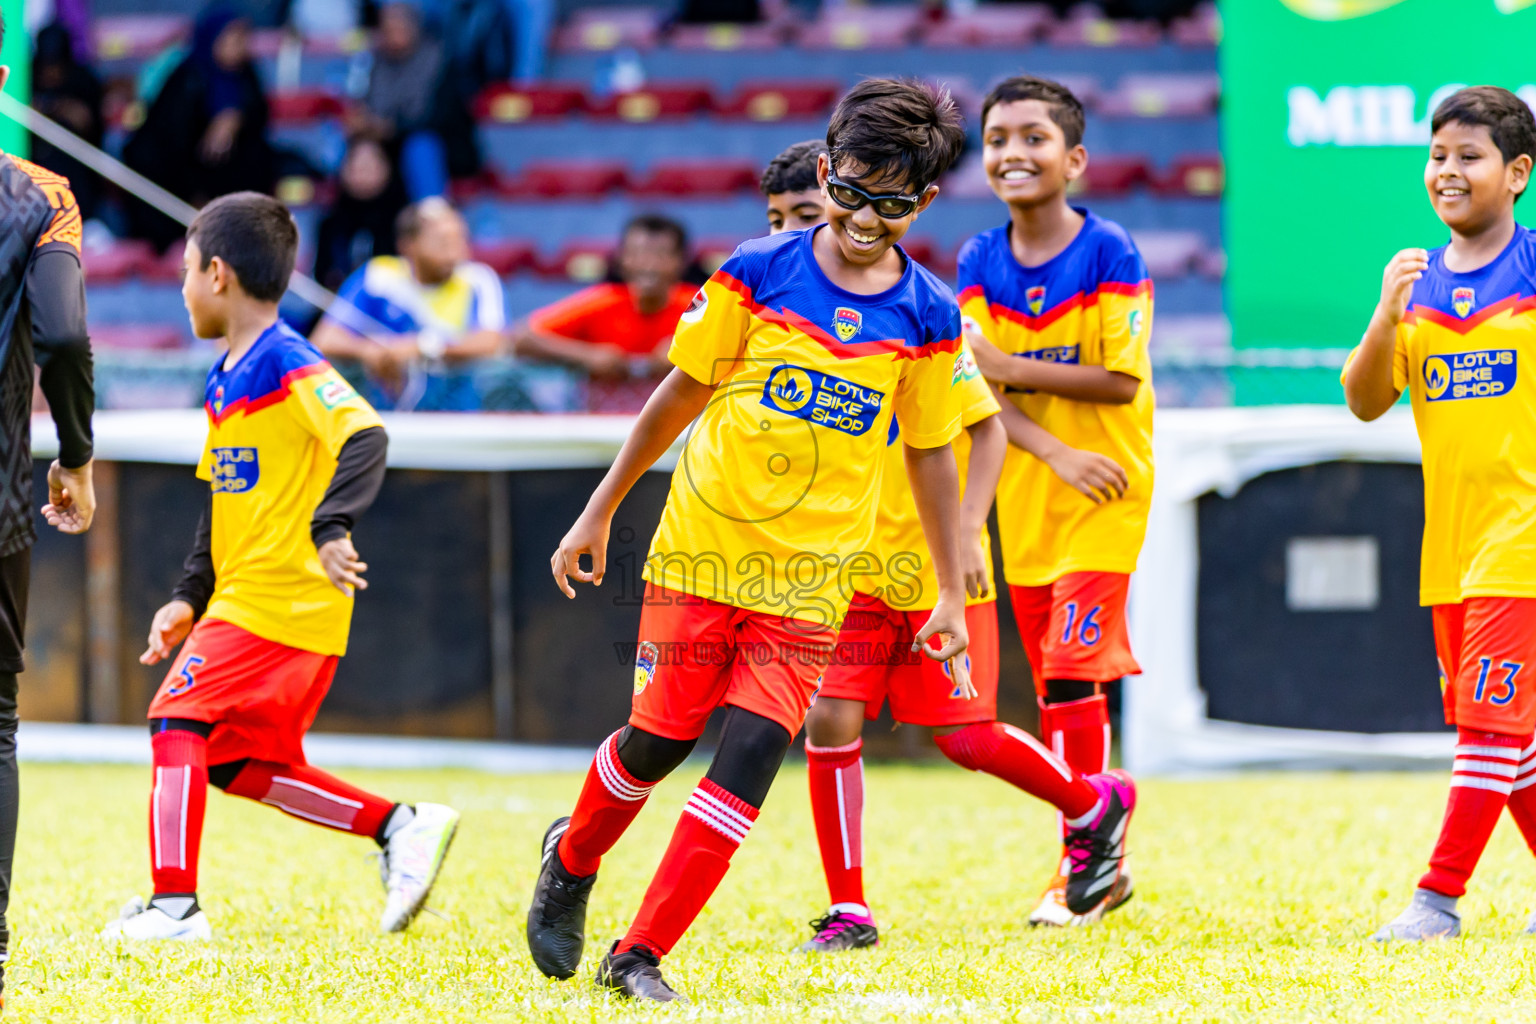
(795,357)
(1456,327)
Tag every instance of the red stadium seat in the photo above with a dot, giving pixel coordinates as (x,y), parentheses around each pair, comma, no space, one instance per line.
(506,103)
(1162,96)
(583,260)
(1199,175)
(609,28)
(166,268)
(727,36)
(489,182)
(566,179)
(1097,31)
(136,36)
(675,99)
(506,257)
(922,250)
(762,100)
(698,178)
(1169,254)
(1004,24)
(1114,175)
(305,106)
(119,261)
(876,27)
(136,337)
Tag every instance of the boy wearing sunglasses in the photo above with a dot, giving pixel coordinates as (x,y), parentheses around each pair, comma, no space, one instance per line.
(797,359)
(1058,306)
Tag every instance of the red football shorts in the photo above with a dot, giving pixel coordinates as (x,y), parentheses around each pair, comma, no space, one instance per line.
(874,662)
(260,696)
(1075,628)
(695,655)
(1487,652)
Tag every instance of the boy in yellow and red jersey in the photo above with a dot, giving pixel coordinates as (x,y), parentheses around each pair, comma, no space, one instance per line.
(1061,306)
(871,663)
(293,457)
(1456,327)
(795,357)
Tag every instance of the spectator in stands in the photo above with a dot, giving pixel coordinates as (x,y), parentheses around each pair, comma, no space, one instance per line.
(619,333)
(205,133)
(361,223)
(415,321)
(413,105)
(69,92)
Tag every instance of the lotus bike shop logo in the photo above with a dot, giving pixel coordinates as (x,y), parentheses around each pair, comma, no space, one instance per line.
(1035,299)
(847,322)
(1488,373)
(823,399)
(646,657)
(1462,301)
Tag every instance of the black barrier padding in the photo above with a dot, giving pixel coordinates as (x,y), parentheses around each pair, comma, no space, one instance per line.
(1358,671)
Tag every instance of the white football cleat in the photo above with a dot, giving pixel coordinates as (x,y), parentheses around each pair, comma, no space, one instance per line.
(140,924)
(1053,911)
(412,858)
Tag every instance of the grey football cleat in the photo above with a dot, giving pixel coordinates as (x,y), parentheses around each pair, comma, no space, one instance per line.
(1429,916)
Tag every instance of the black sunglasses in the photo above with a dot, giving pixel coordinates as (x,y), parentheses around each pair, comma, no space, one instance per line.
(890,205)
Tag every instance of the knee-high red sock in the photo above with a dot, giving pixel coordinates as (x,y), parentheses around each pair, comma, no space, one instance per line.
(1522,798)
(1481,779)
(1078,732)
(712,826)
(837,804)
(176,808)
(309,793)
(1016,757)
(609,801)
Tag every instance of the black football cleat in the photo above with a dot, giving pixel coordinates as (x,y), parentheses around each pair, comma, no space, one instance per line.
(557,917)
(635,973)
(841,930)
(1096,852)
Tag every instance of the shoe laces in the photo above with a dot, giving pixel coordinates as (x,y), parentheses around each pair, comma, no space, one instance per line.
(830,927)
(562,893)
(1085,845)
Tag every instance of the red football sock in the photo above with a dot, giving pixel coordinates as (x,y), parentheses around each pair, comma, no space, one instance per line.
(1522,799)
(1016,757)
(609,801)
(309,793)
(837,804)
(713,824)
(1481,779)
(176,808)
(1078,732)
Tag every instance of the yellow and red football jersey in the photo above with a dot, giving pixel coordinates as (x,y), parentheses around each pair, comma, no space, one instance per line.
(1466,353)
(773,501)
(277,421)
(909,583)
(1090,305)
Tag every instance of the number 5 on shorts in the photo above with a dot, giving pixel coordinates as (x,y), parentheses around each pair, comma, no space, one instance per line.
(184,680)
(1508,684)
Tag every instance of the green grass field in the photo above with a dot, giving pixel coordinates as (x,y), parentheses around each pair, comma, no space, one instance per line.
(1255,898)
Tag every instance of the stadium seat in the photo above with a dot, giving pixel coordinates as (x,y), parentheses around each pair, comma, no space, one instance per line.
(506,103)
(287,108)
(137,36)
(1201,27)
(875,27)
(1095,30)
(566,179)
(727,36)
(674,99)
(920,249)
(1162,96)
(166,268)
(506,257)
(698,178)
(1113,175)
(763,100)
(136,337)
(582,260)
(1199,175)
(998,24)
(608,28)
(1169,254)
(117,262)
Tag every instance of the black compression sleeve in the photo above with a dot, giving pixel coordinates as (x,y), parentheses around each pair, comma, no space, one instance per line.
(62,348)
(197,578)
(359,474)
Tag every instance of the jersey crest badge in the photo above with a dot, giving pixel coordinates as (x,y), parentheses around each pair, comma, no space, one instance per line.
(218,399)
(1035,298)
(846,322)
(1462,301)
(645,665)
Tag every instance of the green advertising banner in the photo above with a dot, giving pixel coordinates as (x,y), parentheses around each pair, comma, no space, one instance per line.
(1325,123)
(17,55)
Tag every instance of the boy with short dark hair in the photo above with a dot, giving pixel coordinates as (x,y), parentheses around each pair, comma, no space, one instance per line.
(794,194)
(1456,327)
(794,357)
(294,456)
(1060,309)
